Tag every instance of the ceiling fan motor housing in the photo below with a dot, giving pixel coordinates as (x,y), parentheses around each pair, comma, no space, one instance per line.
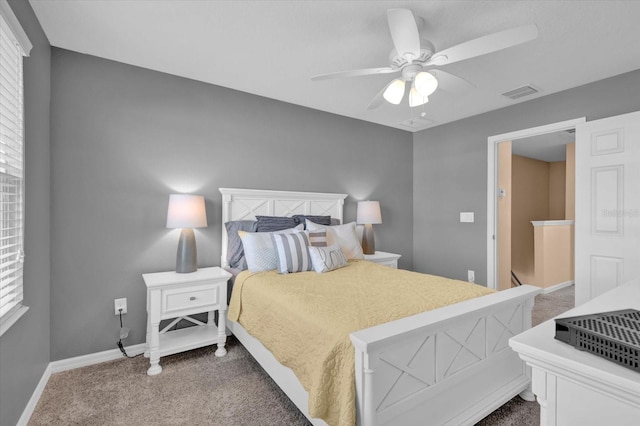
(426,51)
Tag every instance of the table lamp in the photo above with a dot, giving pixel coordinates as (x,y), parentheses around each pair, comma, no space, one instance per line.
(187,212)
(368,214)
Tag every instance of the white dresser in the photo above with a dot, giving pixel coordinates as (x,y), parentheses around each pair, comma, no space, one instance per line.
(579,388)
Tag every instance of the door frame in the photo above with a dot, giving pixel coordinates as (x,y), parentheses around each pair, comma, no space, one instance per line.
(492,190)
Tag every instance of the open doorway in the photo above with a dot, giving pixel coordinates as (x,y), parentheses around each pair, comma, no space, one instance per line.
(536,211)
(528,170)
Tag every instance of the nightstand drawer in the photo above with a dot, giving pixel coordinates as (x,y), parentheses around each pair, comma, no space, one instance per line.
(191,299)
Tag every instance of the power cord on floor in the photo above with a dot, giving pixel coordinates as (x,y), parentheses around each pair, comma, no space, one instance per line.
(124,332)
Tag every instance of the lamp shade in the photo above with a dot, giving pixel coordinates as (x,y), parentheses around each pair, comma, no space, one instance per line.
(186,211)
(368,212)
(394,91)
(425,83)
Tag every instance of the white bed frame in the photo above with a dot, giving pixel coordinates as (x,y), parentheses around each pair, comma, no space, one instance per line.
(449,366)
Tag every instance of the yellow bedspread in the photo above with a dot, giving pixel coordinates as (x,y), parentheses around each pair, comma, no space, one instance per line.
(304,319)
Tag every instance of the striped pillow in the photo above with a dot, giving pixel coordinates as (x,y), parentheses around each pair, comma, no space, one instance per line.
(292,252)
(318,238)
(259,250)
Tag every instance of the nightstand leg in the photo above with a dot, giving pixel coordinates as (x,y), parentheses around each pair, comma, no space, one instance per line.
(154,333)
(154,347)
(146,349)
(222,334)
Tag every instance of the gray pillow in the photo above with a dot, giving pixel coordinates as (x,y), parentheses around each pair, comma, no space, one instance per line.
(274,223)
(235,252)
(320,220)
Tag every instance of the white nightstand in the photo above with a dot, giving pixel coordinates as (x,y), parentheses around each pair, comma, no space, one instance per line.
(173,295)
(384,258)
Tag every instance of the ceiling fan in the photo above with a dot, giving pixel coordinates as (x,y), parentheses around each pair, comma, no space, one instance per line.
(415,59)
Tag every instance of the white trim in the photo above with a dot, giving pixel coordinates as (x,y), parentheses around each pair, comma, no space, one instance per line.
(552,222)
(10,318)
(35,397)
(70,364)
(95,358)
(11,20)
(492,179)
(557,287)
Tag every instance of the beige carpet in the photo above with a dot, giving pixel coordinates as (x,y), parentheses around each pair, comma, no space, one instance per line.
(196,388)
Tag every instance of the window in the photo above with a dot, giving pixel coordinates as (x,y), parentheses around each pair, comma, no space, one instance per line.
(12,40)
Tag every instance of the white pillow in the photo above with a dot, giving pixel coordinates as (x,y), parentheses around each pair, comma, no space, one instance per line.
(325,259)
(292,251)
(343,235)
(259,250)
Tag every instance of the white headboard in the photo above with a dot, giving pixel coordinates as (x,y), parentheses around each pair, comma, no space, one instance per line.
(245,204)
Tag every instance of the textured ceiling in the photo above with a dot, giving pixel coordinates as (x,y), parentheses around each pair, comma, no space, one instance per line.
(272,48)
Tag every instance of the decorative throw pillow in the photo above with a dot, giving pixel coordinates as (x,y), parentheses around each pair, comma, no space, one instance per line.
(320,220)
(325,259)
(259,250)
(274,223)
(235,251)
(343,235)
(317,238)
(292,252)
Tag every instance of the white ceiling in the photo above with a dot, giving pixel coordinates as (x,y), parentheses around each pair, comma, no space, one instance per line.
(272,48)
(549,147)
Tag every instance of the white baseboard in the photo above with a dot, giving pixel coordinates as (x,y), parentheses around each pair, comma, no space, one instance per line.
(35,397)
(70,364)
(557,287)
(96,358)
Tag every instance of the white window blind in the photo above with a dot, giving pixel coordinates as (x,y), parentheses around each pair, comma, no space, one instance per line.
(11,171)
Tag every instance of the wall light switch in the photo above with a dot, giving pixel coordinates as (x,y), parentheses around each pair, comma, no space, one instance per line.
(466,217)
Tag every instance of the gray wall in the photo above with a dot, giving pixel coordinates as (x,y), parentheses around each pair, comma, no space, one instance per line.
(450,170)
(124,138)
(24,348)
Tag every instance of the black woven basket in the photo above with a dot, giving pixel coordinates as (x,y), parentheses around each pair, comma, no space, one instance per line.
(611,335)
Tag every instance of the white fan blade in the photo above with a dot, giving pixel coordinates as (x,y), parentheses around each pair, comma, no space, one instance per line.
(404,33)
(354,73)
(379,98)
(486,44)
(451,83)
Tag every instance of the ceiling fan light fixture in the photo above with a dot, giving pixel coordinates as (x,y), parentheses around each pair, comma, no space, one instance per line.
(416,99)
(394,91)
(425,83)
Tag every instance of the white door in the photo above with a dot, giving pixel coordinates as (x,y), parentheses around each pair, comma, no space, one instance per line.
(607,225)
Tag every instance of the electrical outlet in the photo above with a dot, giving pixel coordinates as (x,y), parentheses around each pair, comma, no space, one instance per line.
(471,276)
(120,304)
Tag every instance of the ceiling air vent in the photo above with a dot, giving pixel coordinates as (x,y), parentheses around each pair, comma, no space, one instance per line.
(520,92)
(416,123)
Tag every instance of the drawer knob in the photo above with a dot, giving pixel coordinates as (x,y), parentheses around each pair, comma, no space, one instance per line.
(192,298)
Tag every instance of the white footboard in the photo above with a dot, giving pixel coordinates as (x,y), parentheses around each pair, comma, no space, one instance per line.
(450,366)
